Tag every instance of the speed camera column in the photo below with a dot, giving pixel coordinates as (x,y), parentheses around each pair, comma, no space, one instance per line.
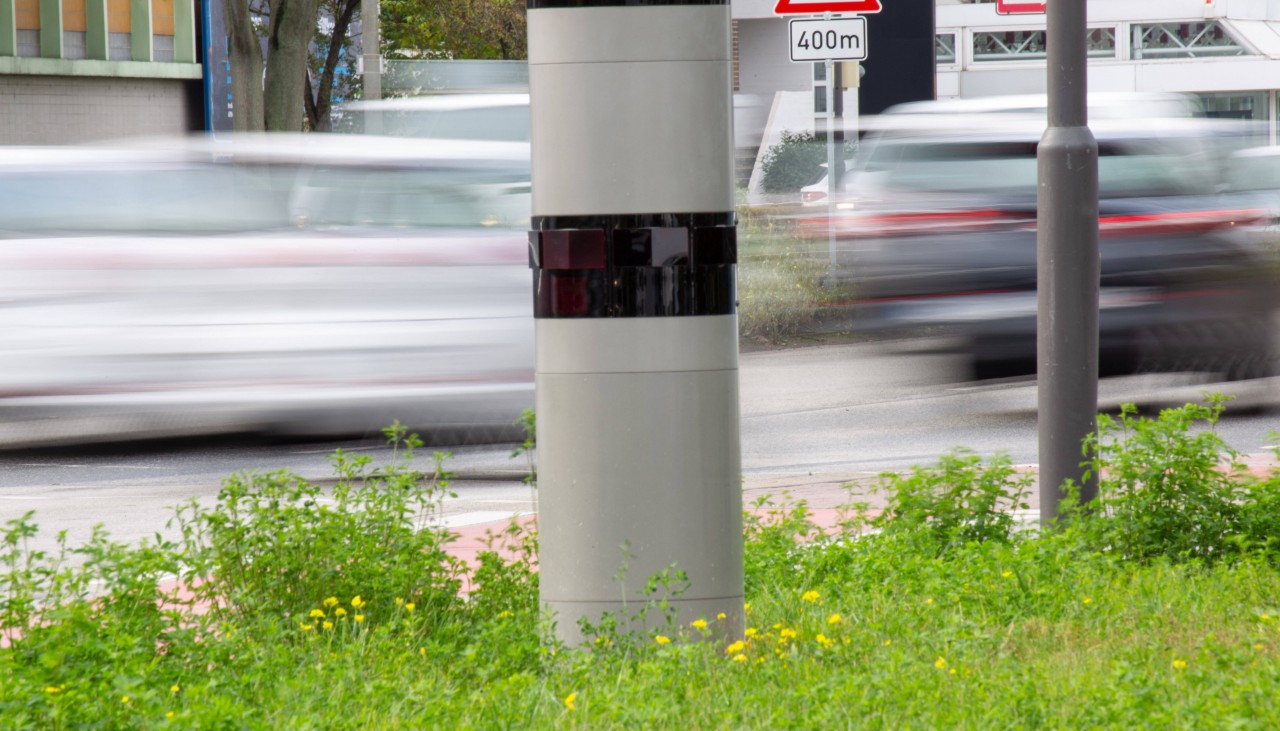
(633,250)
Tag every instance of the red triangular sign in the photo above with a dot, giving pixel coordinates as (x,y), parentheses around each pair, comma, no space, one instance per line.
(816,7)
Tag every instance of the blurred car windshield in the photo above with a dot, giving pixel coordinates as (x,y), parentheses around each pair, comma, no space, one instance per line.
(1134,168)
(362,197)
(447,118)
(181,198)
(264,185)
(1259,171)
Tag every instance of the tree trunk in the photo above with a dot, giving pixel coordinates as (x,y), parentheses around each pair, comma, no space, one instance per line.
(318,110)
(245,51)
(292,23)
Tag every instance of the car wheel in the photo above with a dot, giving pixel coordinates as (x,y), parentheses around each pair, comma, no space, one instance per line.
(1234,350)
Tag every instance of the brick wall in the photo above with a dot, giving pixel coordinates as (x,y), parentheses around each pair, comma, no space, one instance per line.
(44,110)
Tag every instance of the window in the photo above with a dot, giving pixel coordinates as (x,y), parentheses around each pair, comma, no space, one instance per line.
(1102,42)
(944,48)
(1011,45)
(1028,45)
(1183,40)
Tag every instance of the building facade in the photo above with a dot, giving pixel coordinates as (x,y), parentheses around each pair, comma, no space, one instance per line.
(87,70)
(1226,53)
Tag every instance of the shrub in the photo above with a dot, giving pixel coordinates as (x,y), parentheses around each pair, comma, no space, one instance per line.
(276,544)
(793,163)
(1167,487)
(960,500)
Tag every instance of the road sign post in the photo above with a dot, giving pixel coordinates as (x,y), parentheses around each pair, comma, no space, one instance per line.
(1020,7)
(1068,262)
(829,39)
(818,7)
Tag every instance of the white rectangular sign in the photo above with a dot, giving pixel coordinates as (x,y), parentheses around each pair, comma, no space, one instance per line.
(819,39)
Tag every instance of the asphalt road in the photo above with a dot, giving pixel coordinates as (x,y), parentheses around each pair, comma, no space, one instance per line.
(835,412)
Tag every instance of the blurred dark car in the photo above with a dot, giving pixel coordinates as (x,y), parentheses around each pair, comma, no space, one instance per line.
(941,232)
(299,285)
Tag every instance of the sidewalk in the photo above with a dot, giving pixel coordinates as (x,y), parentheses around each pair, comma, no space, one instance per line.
(828,497)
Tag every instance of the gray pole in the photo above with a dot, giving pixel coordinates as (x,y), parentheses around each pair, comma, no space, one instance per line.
(370,49)
(1068,264)
(834,162)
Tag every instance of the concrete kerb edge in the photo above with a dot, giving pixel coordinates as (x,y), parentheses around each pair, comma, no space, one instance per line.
(460,476)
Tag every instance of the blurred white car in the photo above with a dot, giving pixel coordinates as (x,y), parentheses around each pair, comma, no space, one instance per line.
(497,117)
(312,285)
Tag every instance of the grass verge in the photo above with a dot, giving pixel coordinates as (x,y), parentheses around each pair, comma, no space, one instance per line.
(344,610)
(779,278)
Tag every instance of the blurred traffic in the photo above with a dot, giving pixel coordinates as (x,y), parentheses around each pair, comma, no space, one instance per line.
(934,230)
(330,284)
(299,285)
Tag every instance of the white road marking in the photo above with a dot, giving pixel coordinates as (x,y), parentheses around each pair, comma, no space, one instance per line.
(479,516)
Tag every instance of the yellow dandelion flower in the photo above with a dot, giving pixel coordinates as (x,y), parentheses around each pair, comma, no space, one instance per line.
(357,602)
(422,651)
(1179,664)
(571,701)
(751,632)
(409,607)
(327,625)
(824,641)
(306,627)
(399,602)
(359,618)
(746,607)
(888,642)
(810,596)
(699,624)
(339,612)
(940,663)
(53,690)
(1007,574)
(739,658)
(720,616)
(1087,600)
(1258,646)
(331,601)
(952,671)
(316,613)
(124,699)
(661,639)
(929,601)
(735,648)
(169,714)
(504,614)
(835,619)
(174,688)
(787,634)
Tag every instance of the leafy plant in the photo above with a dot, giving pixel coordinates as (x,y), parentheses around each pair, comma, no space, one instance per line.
(796,161)
(277,544)
(960,500)
(1168,487)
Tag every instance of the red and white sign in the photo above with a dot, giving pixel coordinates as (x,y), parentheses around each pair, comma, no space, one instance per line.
(1020,7)
(818,7)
